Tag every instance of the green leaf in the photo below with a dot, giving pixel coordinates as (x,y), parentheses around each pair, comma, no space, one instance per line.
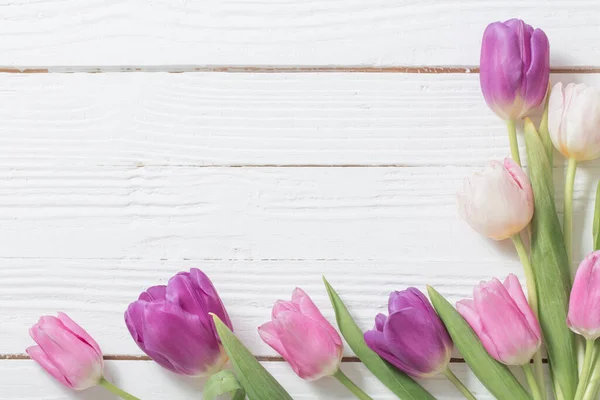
(221,383)
(399,383)
(496,377)
(596,228)
(550,268)
(258,383)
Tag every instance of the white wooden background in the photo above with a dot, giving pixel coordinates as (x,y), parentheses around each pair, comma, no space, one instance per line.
(299,138)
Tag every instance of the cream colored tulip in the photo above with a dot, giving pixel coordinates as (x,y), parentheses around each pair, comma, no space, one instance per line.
(498,201)
(574,120)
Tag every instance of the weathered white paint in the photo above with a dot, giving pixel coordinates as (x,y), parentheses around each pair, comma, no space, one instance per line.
(287,32)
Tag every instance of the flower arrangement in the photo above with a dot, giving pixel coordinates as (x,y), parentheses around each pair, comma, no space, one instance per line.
(184,326)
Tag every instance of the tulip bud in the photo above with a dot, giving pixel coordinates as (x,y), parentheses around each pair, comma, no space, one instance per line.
(304,338)
(172,325)
(498,201)
(584,304)
(514,68)
(67,352)
(502,319)
(412,337)
(574,120)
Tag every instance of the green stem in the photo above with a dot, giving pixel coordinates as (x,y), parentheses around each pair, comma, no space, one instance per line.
(533,302)
(344,380)
(584,378)
(535,389)
(239,395)
(459,385)
(512,138)
(568,210)
(115,390)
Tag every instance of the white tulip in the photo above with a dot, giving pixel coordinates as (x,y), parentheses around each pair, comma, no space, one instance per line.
(498,201)
(574,120)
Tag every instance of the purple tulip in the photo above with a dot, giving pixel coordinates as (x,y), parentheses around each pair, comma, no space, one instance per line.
(412,337)
(172,325)
(514,68)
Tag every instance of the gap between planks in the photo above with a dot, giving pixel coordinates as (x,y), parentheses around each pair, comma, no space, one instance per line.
(118,357)
(467,69)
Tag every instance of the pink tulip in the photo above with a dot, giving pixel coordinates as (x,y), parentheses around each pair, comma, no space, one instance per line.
(498,201)
(299,332)
(584,305)
(501,317)
(67,352)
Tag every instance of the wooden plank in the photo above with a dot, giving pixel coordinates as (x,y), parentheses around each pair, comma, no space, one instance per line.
(148,381)
(205,119)
(355,32)
(88,241)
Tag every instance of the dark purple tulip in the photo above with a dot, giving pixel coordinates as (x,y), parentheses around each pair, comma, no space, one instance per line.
(172,325)
(412,337)
(514,68)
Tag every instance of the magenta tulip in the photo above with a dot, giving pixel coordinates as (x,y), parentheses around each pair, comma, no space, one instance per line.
(514,68)
(412,337)
(584,305)
(501,317)
(172,325)
(304,338)
(67,352)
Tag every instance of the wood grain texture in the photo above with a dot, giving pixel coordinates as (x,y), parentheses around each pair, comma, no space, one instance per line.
(149,382)
(87,241)
(232,32)
(205,119)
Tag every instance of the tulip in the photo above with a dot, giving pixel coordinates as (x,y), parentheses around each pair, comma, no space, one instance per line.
(306,340)
(498,201)
(574,127)
(507,327)
(584,304)
(68,353)
(412,337)
(501,317)
(514,72)
(172,325)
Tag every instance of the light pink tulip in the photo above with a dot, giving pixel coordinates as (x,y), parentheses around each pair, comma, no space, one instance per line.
(67,352)
(584,305)
(304,338)
(501,317)
(498,201)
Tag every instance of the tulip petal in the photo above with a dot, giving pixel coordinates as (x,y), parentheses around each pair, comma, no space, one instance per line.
(283,306)
(380,322)
(310,359)
(584,303)
(535,84)
(196,351)
(38,355)
(514,289)
(182,292)
(79,331)
(212,299)
(466,308)
(154,293)
(308,308)
(268,333)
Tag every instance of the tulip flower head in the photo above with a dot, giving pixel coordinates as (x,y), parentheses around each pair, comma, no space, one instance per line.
(172,324)
(574,120)
(412,337)
(304,338)
(498,201)
(584,304)
(514,68)
(502,319)
(67,352)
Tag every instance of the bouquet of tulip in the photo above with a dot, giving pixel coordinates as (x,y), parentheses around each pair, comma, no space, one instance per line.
(185,328)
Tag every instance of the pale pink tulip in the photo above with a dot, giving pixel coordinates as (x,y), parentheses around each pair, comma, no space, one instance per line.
(306,340)
(67,352)
(584,305)
(574,120)
(498,201)
(502,319)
